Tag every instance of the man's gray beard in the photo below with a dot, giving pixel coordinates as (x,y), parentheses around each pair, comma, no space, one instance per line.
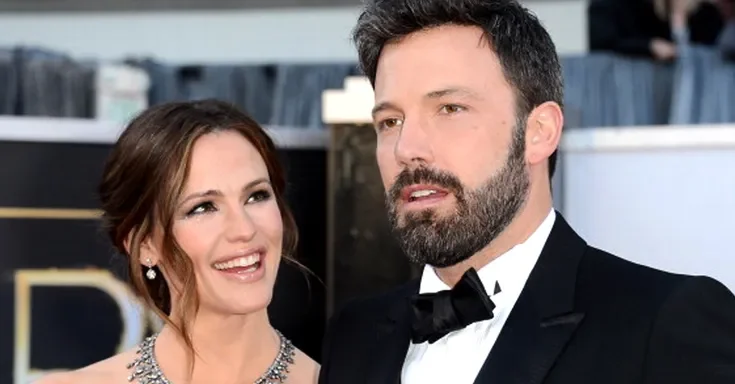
(481,214)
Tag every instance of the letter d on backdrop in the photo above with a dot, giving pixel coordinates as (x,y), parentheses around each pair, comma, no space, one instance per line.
(133,316)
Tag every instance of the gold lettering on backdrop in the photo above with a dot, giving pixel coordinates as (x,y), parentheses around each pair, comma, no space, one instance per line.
(134,318)
(49,213)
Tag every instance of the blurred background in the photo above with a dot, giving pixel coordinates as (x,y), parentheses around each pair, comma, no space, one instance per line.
(647,166)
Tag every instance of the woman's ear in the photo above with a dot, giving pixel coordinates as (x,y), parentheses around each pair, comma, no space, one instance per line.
(147,255)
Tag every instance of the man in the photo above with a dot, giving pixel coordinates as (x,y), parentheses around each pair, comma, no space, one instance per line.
(468,116)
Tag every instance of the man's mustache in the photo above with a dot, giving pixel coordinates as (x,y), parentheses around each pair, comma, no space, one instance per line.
(423,175)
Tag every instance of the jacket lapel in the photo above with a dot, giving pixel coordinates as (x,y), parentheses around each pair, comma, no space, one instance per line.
(392,338)
(543,319)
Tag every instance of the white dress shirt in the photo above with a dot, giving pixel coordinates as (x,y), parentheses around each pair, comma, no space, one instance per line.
(457,357)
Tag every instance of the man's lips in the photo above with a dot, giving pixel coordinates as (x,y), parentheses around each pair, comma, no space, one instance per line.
(419,192)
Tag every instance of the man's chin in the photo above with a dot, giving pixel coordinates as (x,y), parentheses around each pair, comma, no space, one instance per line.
(426,216)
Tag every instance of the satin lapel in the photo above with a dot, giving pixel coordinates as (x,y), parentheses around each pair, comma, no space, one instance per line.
(391,342)
(527,348)
(543,319)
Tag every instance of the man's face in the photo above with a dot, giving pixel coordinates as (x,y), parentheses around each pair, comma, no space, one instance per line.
(450,147)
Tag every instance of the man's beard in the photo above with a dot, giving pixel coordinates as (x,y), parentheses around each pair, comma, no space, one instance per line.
(480,215)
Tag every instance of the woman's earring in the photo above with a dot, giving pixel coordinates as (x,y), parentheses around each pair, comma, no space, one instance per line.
(150,274)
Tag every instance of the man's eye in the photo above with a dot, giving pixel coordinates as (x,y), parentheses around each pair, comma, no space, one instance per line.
(451,109)
(388,124)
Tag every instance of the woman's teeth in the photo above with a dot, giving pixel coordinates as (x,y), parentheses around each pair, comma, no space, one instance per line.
(250,262)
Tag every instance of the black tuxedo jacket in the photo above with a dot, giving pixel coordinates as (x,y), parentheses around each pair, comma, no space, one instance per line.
(584,317)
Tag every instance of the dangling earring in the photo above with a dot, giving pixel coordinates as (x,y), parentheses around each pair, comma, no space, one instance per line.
(150,274)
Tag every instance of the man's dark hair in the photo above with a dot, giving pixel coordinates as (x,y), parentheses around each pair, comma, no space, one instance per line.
(523,46)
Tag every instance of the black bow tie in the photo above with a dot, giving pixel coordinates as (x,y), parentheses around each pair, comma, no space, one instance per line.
(437,314)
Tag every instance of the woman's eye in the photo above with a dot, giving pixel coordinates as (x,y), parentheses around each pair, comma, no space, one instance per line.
(201,208)
(259,196)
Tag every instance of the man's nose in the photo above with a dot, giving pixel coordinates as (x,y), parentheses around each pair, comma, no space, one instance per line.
(413,147)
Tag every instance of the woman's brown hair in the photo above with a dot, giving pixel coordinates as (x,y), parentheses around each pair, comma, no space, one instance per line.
(142,182)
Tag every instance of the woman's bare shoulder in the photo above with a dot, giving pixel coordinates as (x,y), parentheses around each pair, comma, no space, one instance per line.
(113,371)
(304,370)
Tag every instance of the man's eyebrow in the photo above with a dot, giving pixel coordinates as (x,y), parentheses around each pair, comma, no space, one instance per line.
(382,106)
(461,91)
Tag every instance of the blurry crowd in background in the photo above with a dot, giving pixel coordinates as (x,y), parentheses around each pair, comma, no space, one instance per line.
(659,28)
(690,81)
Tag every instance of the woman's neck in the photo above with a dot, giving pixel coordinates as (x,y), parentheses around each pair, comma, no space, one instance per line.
(228,349)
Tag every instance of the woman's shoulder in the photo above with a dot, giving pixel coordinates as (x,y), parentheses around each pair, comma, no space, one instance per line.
(304,370)
(113,370)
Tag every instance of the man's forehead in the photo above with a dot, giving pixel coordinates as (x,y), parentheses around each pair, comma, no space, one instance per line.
(429,83)
(428,64)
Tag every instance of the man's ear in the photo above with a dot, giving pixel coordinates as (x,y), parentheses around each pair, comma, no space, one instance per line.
(543,132)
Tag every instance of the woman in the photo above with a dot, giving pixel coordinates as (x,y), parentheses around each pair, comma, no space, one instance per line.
(193,194)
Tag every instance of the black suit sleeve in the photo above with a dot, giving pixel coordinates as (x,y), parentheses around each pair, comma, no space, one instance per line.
(693,339)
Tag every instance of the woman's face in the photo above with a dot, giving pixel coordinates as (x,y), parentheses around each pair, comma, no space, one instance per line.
(229,224)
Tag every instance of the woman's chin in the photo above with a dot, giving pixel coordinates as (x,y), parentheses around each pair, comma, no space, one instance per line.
(243,304)
(227,293)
